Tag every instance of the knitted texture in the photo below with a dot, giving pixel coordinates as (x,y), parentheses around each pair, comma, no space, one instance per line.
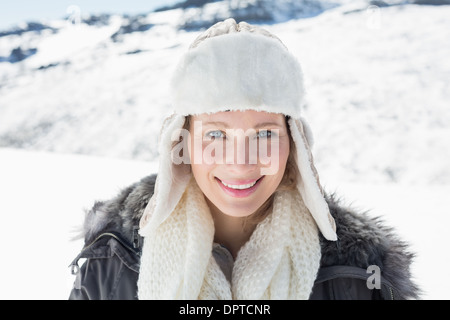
(280,260)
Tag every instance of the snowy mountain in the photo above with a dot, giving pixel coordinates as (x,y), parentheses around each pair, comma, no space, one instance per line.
(202,14)
(377,79)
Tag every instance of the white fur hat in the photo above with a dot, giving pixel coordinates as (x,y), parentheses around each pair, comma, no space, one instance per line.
(236,67)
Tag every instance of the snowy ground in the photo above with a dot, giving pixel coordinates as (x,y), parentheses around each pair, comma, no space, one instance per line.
(43,199)
(44,195)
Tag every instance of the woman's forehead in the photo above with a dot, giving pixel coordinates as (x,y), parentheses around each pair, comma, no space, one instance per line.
(232,118)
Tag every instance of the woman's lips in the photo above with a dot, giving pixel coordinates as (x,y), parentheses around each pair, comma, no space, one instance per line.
(241,188)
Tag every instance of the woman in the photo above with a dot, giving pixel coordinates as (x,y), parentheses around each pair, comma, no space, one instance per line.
(236,210)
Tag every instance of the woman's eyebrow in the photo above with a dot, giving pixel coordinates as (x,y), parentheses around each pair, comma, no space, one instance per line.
(268,124)
(226,125)
(215,123)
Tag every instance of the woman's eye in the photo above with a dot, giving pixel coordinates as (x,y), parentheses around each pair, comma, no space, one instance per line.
(215,134)
(264,134)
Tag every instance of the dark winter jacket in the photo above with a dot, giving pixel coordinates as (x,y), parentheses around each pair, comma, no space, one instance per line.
(349,267)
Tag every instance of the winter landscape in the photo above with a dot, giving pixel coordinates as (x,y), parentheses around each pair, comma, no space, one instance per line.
(82,99)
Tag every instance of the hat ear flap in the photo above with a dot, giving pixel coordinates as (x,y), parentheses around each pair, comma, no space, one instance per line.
(309,185)
(307,133)
(173,176)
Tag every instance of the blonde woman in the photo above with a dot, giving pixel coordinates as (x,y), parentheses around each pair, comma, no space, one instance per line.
(236,210)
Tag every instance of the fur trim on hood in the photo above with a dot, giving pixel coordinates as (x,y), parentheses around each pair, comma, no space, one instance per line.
(362,240)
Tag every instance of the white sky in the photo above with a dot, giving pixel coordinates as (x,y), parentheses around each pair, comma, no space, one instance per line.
(14,12)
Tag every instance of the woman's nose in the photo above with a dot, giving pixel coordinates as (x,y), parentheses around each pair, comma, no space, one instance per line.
(241,151)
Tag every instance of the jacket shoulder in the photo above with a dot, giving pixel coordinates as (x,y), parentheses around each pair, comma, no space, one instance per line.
(365,241)
(112,245)
(120,214)
(110,271)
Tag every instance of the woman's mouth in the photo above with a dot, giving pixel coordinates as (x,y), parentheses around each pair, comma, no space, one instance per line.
(239,189)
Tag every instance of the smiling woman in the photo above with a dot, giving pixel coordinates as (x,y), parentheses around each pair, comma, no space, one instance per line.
(236,187)
(236,210)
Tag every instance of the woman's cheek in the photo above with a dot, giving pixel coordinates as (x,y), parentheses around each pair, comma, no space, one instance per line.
(274,160)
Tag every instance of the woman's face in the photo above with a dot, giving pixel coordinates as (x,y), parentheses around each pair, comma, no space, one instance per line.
(238,158)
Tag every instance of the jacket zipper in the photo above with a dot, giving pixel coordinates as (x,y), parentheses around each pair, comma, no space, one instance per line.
(392,292)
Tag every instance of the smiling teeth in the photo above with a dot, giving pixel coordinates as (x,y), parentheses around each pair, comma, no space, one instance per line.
(239,187)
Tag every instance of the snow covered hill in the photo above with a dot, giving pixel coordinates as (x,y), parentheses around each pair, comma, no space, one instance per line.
(377,80)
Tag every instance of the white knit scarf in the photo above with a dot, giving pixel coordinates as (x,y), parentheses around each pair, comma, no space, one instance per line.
(280,260)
